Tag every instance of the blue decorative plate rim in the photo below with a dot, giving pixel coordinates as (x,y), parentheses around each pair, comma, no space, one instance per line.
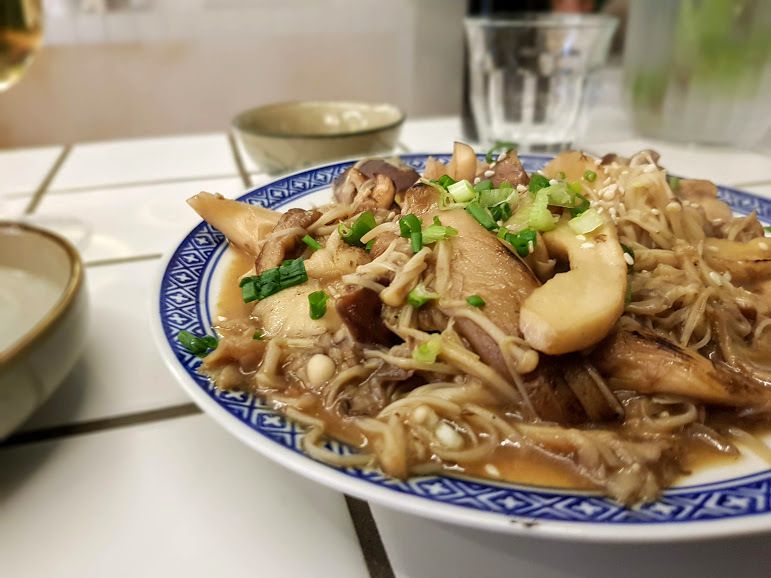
(185,282)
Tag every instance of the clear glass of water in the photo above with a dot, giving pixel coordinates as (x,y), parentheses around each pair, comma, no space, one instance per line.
(528,74)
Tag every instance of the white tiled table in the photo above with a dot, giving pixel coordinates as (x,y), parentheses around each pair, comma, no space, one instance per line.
(118,475)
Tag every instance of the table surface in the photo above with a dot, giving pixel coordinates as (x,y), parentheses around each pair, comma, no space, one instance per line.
(118,474)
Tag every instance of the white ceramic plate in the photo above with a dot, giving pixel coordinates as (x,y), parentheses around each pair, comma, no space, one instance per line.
(718,501)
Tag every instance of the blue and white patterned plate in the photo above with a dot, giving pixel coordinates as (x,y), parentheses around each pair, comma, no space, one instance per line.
(719,501)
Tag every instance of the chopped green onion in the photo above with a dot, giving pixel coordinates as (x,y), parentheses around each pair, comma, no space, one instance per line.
(580,207)
(419,296)
(318,304)
(258,335)
(475,301)
(767,229)
(437,232)
(369,245)
(311,242)
(363,224)
(198,346)
(559,195)
(575,187)
(673,182)
(499,147)
(495,196)
(586,222)
(444,181)
(482,215)
(590,176)
(485,185)
(501,211)
(409,226)
(540,217)
(462,191)
(537,182)
(288,274)
(522,241)
(427,351)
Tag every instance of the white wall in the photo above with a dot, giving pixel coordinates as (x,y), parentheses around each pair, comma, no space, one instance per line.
(174,66)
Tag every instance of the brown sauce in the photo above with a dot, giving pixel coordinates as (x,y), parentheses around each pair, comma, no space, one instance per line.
(516,465)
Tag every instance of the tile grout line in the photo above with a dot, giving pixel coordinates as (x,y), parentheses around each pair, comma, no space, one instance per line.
(129,184)
(245,176)
(372,548)
(97,425)
(121,260)
(37,196)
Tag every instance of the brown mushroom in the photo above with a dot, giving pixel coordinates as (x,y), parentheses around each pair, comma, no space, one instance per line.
(276,249)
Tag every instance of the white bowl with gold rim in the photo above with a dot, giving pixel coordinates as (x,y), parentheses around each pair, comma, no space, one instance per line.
(43,318)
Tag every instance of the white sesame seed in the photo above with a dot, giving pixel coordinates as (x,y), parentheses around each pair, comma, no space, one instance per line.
(489,173)
(521,188)
(694,205)
(553,181)
(502,156)
(673,206)
(491,470)
(713,249)
(717,222)
(587,245)
(655,212)
(763,246)
(625,172)
(581,237)
(649,169)
(530,247)
(492,165)
(477,180)
(727,277)
(629,259)
(716,279)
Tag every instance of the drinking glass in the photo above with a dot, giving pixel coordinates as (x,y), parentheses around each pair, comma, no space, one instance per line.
(21,32)
(528,74)
(700,70)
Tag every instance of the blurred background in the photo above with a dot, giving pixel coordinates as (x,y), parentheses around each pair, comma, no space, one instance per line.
(125,68)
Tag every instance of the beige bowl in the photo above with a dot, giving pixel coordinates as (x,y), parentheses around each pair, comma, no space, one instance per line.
(44,314)
(289,135)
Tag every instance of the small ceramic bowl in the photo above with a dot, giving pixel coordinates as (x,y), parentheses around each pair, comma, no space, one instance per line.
(43,318)
(289,135)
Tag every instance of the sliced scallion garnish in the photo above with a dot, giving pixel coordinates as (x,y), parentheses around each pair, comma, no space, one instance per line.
(540,217)
(523,241)
(318,304)
(590,176)
(586,222)
(409,227)
(475,301)
(427,351)
(501,211)
(437,232)
(481,215)
(288,274)
(363,224)
(462,191)
(419,296)
(537,182)
(311,242)
(198,346)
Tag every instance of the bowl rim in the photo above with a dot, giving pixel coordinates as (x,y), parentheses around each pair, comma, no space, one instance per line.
(238,118)
(60,307)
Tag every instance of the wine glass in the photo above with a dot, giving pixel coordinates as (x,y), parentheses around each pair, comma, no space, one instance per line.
(21,33)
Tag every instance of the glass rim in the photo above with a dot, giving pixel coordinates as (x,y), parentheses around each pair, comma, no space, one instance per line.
(543,20)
